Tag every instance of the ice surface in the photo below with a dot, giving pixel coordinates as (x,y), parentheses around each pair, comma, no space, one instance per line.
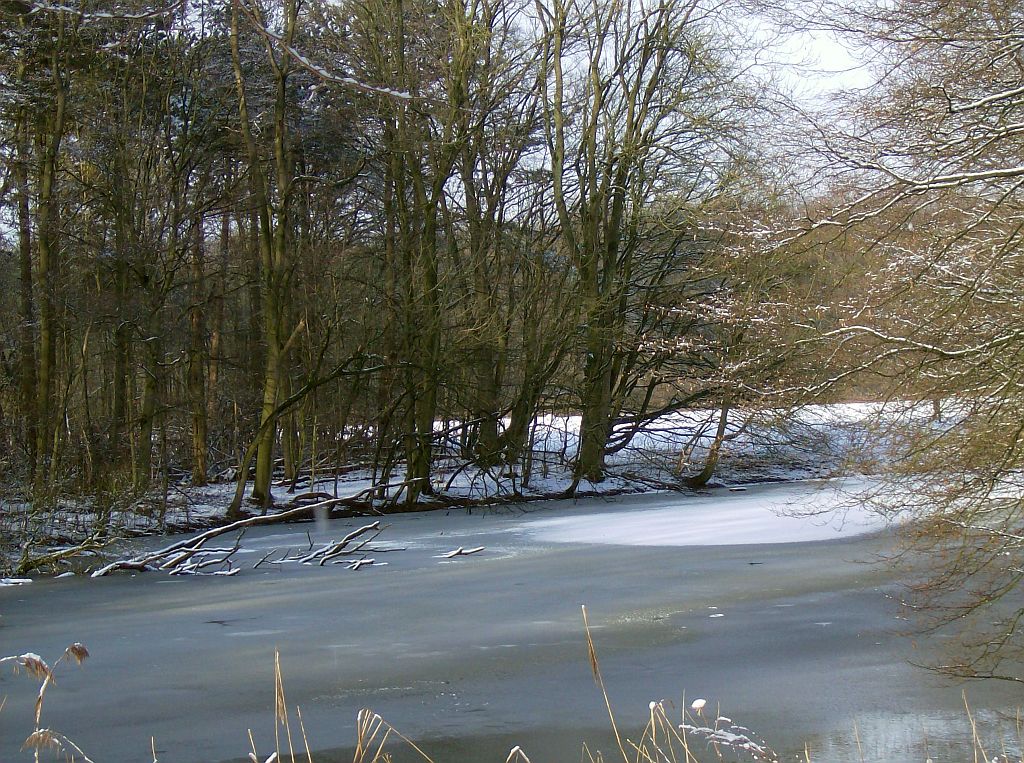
(430,644)
(770,515)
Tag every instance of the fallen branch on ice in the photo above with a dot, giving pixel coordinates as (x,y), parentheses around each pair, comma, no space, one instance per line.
(177,554)
(28,564)
(337,548)
(460,551)
(14,581)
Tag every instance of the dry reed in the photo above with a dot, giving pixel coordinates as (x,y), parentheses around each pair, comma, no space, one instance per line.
(35,666)
(662,739)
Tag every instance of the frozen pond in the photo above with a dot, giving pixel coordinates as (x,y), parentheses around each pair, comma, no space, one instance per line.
(781,622)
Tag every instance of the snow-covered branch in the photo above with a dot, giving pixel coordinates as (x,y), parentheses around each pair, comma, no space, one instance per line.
(988,100)
(86,16)
(319,71)
(907,342)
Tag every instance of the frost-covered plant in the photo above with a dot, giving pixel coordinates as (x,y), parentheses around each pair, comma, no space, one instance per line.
(722,734)
(35,666)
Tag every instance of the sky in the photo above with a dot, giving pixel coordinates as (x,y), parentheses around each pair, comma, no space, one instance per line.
(817,63)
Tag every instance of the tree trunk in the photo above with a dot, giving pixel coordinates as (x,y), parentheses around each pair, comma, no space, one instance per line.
(595,417)
(148,411)
(488,444)
(47,251)
(217,297)
(197,359)
(272,234)
(711,462)
(118,438)
(26,306)
(271,382)
(119,442)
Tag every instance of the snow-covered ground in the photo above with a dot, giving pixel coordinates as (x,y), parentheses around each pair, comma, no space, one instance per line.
(762,446)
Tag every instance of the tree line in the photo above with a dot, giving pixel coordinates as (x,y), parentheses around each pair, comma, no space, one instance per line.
(274,235)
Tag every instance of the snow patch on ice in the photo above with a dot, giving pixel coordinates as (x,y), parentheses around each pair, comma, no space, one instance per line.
(758,516)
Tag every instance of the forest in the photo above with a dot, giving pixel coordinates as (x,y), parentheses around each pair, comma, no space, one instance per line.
(293,234)
(265,240)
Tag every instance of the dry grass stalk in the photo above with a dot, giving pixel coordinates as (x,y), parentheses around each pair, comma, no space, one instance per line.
(368,726)
(596,669)
(35,666)
(42,739)
(281,710)
(974,732)
(281,719)
(48,739)
(30,662)
(76,652)
(372,733)
(305,739)
(516,755)
(661,740)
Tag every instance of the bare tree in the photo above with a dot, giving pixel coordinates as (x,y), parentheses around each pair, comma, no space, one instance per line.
(930,172)
(272,190)
(638,106)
